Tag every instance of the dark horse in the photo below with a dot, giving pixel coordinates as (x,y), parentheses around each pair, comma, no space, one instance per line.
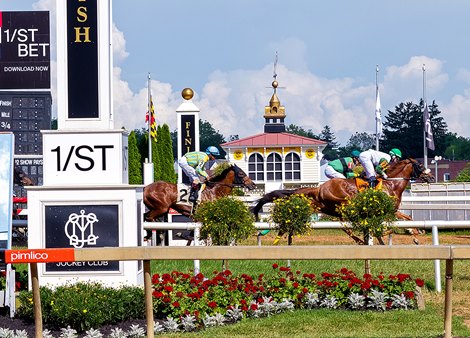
(328,196)
(20,178)
(160,196)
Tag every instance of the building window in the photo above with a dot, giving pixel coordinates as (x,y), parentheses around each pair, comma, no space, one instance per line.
(274,167)
(256,167)
(446,177)
(292,167)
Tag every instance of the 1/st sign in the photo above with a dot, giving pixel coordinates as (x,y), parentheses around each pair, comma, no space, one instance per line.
(84,158)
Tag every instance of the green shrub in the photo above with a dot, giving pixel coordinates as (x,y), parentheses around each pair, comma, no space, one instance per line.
(370,212)
(83,306)
(225,220)
(292,215)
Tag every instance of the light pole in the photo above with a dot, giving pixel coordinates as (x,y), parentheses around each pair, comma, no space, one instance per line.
(436,162)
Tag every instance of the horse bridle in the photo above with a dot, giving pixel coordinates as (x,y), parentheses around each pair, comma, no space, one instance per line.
(238,179)
(417,172)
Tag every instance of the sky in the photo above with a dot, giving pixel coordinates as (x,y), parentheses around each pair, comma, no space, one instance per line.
(327,51)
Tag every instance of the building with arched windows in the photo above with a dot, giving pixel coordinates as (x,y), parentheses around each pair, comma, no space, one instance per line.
(276,159)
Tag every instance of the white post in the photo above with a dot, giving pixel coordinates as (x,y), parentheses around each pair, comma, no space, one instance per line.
(437,263)
(197,267)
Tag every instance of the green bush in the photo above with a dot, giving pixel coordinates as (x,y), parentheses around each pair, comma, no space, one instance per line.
(83,306)
(292,215)
(225,220)
(370,212)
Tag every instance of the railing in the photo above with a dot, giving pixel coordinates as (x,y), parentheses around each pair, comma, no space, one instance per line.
(345,252)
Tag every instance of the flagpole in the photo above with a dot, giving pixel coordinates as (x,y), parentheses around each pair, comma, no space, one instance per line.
(376,121)
(149,122)
(425,148)
(148,165)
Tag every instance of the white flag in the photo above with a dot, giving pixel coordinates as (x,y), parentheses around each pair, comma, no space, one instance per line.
(378,115)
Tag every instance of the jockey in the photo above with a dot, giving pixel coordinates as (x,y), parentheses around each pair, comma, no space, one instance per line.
(376,162)
(343,167)
(193,164)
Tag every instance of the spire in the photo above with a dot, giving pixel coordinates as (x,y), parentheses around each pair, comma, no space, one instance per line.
(274,114)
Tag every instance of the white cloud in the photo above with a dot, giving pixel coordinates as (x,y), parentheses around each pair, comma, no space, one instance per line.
(119,46)
(456,113)
(233,101)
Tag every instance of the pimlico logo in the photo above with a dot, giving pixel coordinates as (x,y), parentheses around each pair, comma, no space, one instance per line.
(39,255)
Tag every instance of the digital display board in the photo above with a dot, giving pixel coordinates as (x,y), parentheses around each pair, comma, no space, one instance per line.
(24,50)
(26,114)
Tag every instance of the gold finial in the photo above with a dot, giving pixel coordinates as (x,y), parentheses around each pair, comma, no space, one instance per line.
(187,93)
(275,84)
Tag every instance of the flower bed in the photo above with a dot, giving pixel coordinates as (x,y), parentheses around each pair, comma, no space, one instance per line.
(183,302)
(191,302)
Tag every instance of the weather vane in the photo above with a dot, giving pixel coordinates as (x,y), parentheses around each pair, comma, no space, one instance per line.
(275,66)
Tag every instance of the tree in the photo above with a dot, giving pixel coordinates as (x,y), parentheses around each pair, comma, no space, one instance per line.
(457,147)
(208,136)
(464,174)
(165,153)
(331,150)
(296,130)
(358,141)
(404,127)
(135,160)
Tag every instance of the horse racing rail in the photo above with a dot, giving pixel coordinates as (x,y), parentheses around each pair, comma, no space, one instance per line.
(147,254)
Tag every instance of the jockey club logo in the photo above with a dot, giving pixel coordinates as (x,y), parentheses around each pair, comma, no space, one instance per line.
(79,229)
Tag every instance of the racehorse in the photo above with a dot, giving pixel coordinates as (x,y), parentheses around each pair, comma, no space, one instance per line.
(160,196)
(328,196)
(20,178)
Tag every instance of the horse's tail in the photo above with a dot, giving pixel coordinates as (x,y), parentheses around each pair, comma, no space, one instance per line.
(268,198)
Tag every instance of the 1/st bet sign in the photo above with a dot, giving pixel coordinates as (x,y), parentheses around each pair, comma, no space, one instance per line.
(85,157)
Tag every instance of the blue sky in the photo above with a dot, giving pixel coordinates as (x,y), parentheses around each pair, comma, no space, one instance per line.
(328,52)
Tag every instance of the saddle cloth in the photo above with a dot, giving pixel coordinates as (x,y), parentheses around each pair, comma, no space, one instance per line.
(183,194)
(362,184)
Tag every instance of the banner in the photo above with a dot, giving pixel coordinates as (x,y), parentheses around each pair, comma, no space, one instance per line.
(24,50)
(427,129)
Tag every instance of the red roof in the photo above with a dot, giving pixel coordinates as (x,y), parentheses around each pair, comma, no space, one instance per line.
(274,139)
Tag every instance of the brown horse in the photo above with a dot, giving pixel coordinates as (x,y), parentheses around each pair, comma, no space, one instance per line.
(328,196)
(160,196)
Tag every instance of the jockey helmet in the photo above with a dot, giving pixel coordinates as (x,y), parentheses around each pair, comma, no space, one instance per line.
(395,152)
(212,150)
(355,153)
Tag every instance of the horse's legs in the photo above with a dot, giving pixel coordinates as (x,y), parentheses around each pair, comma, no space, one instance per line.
(354,237)
(412,231)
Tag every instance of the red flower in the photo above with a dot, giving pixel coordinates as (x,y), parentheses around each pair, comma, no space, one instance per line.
(304,290)
(168,288)
(409,294)
(175,304)
(156,279)
(157,294)
(295,285)
(254,306)
(212,305)
(419,282)
(260,300)
(275,266)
